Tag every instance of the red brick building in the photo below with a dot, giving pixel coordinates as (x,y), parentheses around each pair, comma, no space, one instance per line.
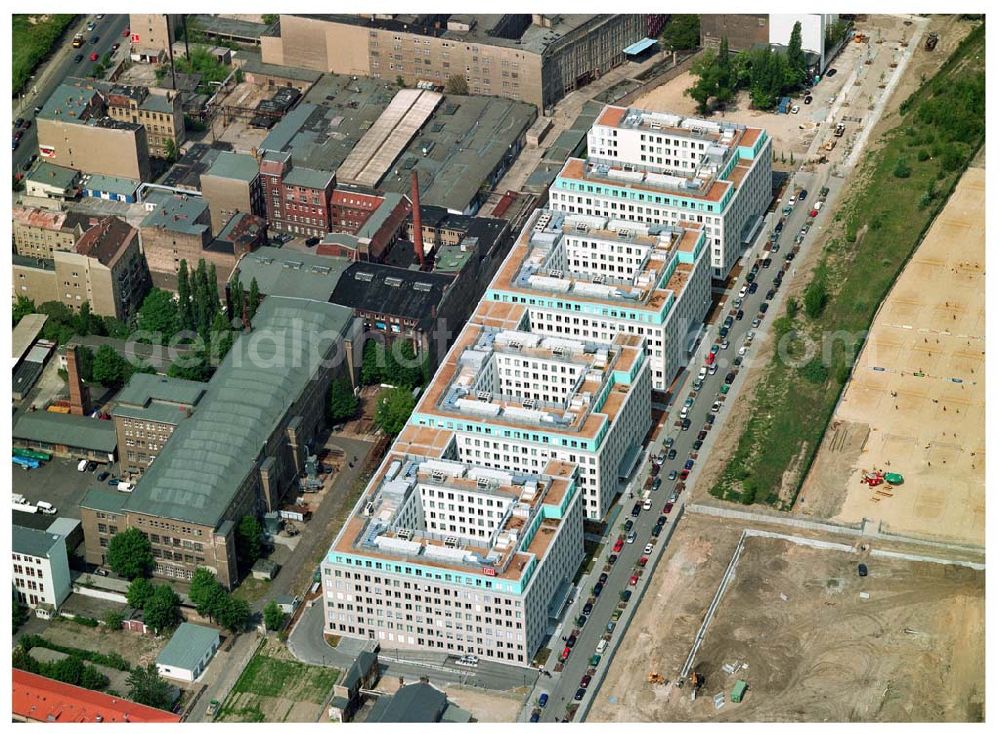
(298,200)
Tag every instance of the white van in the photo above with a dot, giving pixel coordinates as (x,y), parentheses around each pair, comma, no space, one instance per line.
(602,646)
(684,411)
(703,372)
(19,499)
(124,486)
(818,205)
(47,508)
(647,504)
(82,466)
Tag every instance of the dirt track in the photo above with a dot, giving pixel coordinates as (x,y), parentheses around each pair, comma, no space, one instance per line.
(913,651)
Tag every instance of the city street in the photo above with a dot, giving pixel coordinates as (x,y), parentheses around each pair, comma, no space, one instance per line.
(563,686)
(60,66)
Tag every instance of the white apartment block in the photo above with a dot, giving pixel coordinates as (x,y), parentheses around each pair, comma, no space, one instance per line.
(41,569)
(454,557)
(658,168)
(591,277)
(514,400)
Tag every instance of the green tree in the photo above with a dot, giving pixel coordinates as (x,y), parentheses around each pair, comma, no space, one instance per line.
(456,84)
(22,307)
(706,72)
(202,582)
(222,338)
(158,315)
(394,408)
(407,368)
(195,366)
(682,32)
(170,150)
(815,299)
(85,321)
(145,686)
(373,363)
(269,18)
(815,371)
(791,308)
(273,616)
(235,614)
(129,554)
(110,368)
(113,619)
(795,56)
(248,544)
(254,298)
(163,609)
(185,315)
(725,88)
(19,614)
(215,602)
(343,401)
(140,591)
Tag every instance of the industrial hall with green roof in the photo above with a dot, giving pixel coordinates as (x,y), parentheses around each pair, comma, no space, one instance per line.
(241,445)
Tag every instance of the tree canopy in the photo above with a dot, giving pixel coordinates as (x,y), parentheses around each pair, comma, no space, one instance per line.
(394,408)
(163,609)
(343,401)
(129,554)
(145,686)
(682,32)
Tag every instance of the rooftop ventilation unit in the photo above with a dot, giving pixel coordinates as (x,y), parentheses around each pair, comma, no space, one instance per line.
(556,273)
(483,482)
(528,403)
(394,282)
(425,287)
(485,395)
(437,475)
(451,542)
(369,509)
(366,277)
(405,534)
(624,234)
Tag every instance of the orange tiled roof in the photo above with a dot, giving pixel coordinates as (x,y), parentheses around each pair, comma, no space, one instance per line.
(37,698)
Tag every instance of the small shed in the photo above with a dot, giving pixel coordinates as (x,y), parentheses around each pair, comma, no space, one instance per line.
(264,569)
(188,653)
(287,603)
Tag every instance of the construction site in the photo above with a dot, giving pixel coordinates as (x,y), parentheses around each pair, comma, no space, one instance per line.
(915,406)
(788,629)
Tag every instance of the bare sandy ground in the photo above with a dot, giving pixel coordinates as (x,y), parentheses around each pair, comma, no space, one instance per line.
(916,402)
(814,649)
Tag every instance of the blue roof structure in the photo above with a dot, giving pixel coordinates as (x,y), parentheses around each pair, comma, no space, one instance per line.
(639,46)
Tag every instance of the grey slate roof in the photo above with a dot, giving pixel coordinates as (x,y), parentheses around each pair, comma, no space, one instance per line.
(76,431)
(239,166)
(417,703)
(33,542)
(50,174)
(281,272)
(112,184)
(105,500)
(376,288)
(187,646)
(209,455)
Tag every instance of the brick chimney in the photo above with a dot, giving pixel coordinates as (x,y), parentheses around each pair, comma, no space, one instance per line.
(418,232)
(79,394)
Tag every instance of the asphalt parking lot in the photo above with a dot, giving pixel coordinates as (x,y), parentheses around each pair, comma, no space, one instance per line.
(59,483)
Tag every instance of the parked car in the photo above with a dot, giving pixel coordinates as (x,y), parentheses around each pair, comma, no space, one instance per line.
(685,424)
(753,288)
(672,475)
(630,538)
(633,580)
(689,464)
(78,58)
(115,46)
(808,99)
(612,558)
(730,377)
(756,322)
(625,595)
(668,507)
(585,681)
(739,315)
(862,570)
(580,693)
(795,109)
(672,454)
(534,718)
(571,641)
(94,56)
(581,620)
(564,655)
(814,213)
(770,294)
(831,72)
(702,434)
(685,473)
(661,520)
(598,588)
(628,525)
(657,529)
(763,307)
(103,476)
(803,194)
(619,544)
(668,442)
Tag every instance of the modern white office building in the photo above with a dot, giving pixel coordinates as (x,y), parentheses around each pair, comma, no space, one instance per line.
(40,569)
(591,277)
(469,535)
(511,399)
(658,168)
(444,555)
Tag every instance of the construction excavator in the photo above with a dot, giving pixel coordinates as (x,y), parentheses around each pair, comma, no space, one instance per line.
(655,678)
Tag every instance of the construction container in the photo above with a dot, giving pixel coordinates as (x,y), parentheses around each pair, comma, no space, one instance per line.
(738,691)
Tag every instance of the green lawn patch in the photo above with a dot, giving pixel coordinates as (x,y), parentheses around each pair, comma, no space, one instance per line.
(270,677)
(33,39)
(889,207)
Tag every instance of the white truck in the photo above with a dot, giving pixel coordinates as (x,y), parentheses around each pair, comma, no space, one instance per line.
(82,466)
(47,508)
(124,486)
